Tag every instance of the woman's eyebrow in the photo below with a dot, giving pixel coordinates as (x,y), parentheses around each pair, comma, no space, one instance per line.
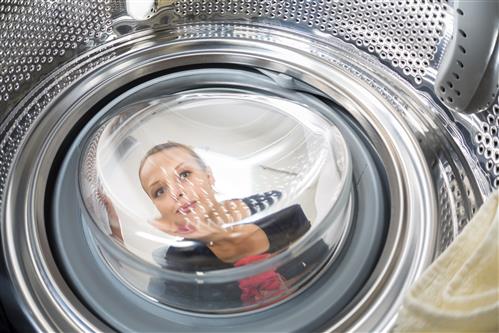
(179,165)
(154,183)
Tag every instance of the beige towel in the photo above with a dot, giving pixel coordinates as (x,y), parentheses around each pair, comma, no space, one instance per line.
(459,292)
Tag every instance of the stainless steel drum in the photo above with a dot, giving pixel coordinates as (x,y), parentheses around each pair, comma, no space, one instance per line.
(378,119)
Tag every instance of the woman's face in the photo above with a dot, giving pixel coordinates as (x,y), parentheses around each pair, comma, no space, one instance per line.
(180,188)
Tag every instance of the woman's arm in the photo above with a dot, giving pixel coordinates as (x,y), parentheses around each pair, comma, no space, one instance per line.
(235,242)
(112,215)
(238,242)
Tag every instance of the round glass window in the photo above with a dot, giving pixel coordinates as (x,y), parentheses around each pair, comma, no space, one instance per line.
(216,201)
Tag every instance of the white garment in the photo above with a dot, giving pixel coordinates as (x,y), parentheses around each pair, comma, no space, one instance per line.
(460,291)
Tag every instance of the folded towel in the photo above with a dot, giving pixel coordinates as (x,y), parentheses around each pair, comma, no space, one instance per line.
(459,292)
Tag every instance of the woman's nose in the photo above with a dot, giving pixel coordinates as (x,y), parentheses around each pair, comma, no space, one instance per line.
(177,191)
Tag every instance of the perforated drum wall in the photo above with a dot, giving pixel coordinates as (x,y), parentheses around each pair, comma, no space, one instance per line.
(404,34)
(391,50)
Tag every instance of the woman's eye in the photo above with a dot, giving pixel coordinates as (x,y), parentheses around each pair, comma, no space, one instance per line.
(159,192)
(184,174)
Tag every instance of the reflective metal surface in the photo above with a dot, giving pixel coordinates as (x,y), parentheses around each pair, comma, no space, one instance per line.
(439,165)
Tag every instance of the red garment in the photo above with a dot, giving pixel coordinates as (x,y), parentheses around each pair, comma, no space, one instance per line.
(262,286)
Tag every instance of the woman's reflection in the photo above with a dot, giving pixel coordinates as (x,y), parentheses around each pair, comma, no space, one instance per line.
(180,185)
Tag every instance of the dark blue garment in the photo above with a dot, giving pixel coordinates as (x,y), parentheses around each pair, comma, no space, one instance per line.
(259,202)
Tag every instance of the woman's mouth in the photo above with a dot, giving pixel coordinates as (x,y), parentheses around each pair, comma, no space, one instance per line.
(187,208)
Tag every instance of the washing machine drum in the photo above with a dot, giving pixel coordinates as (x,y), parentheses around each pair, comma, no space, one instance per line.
(179,172)
(215,205)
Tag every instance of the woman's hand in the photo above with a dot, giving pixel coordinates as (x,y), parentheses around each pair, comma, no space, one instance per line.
(227,241)
(208,226)
(112,215)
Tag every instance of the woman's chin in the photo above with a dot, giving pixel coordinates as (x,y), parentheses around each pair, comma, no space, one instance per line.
(185,230)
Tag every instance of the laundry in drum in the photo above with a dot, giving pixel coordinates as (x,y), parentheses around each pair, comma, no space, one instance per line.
(226,195)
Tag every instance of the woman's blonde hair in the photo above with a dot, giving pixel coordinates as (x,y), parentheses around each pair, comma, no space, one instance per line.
(169,145)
